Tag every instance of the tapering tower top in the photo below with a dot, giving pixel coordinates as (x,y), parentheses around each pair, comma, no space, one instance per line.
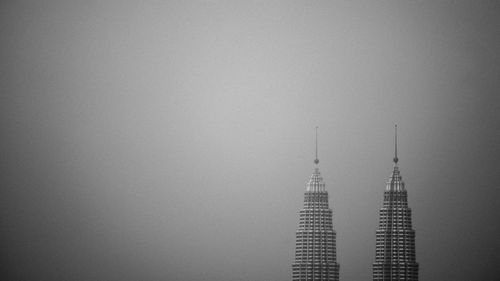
(395,182)
(396,145)
(316,183)
(316,160)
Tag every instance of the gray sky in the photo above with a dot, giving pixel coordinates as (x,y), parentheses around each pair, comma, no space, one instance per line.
(173,139)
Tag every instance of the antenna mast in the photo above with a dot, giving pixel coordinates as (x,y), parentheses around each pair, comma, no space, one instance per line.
(316,161)
(396,144)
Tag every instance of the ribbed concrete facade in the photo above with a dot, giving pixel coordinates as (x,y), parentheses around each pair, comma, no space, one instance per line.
(315,249)
(395,240)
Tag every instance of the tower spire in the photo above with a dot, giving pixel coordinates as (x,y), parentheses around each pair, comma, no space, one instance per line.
(396,144)
(316,160)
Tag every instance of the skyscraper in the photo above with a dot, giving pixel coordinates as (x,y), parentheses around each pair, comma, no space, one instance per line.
(315,249)
(395,242)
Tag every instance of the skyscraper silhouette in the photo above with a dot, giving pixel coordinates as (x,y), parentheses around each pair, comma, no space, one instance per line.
(315,248)
(395,242)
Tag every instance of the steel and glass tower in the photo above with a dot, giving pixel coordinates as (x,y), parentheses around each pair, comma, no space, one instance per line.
(315,249)
(395,243)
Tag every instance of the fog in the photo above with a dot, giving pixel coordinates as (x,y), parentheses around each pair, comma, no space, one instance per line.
(172,140)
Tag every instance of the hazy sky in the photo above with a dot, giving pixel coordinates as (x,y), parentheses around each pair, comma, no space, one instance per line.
(172,140)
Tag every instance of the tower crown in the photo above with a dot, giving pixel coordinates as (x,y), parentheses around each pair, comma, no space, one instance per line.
(395,182)
(316,183)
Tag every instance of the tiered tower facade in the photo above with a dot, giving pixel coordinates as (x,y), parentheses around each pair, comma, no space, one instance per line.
(395,238)
(315,246)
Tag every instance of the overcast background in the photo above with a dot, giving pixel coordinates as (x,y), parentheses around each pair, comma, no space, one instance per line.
(172,140)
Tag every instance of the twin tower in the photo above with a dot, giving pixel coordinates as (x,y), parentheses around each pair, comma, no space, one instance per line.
(315,247)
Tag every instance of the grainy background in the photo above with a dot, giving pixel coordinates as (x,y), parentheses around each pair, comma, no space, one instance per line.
(171,140)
